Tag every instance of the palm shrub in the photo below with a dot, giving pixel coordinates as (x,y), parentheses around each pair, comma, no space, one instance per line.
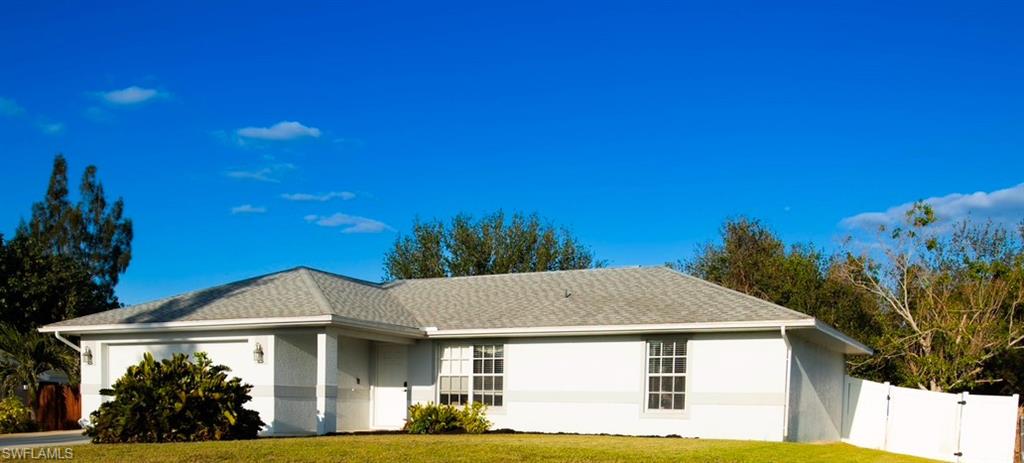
(24,355)
(175,400)
(434,418)
(15,416)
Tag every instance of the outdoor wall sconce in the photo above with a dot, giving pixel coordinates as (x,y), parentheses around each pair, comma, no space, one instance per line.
(257,353)
(87,356)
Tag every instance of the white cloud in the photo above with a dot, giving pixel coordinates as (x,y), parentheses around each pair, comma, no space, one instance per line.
(131,95)
(323,197)
(1004,206)
(248,209)
(284,130)
(351,223)
(10,108)
(266,174)
(53,128)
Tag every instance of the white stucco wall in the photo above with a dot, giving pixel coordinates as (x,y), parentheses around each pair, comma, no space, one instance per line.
(421,372)
(353,384)
(815,392)
(295,384)
(735,387)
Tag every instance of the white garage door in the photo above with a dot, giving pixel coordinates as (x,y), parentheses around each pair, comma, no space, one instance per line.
(234,354)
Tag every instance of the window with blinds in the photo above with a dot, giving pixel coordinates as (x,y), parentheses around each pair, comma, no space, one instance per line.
(476,371)
(454,374)
(489,374)
(666,374)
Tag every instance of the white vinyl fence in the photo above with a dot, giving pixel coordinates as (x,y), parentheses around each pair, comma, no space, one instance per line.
(950,427)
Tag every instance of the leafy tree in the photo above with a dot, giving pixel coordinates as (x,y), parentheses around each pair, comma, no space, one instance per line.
(24,355)
(38,287)
(66,260)
(950,302)
(493,244)
(751,259)
(92,231)
(175,400)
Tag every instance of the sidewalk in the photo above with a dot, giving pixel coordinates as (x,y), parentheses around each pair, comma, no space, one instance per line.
(43,439)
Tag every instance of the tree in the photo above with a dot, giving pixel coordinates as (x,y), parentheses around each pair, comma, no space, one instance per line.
(92,231)
(38,287)
(24,355)
(491,245)
(66,260)
(951,302)
(751,259)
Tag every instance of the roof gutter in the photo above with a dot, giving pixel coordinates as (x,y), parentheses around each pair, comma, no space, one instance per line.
(589,330)
(70,344)
(433,332)
(236,324)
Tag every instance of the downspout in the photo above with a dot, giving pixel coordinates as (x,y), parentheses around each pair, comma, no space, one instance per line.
(70,344)
(789,373)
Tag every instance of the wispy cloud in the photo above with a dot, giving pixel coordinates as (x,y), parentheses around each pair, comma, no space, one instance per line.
(51,128)
(131,95)
(269,174)
(248,209)
(284,130)
(323,197)
(351,223)
(1005,206)
(10,108)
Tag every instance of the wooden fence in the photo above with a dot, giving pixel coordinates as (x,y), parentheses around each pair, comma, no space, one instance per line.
(60,407)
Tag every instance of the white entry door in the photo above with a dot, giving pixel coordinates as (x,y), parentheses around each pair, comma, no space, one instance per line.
(390,396)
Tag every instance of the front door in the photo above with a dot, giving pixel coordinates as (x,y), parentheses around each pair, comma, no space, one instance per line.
(390,397)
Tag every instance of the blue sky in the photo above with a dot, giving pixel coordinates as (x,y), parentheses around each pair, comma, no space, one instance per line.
(640,126)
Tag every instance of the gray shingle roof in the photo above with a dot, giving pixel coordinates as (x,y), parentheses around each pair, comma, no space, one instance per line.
(620,296)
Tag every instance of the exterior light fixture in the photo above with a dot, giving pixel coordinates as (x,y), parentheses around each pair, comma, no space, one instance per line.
(257,353)
(87,356)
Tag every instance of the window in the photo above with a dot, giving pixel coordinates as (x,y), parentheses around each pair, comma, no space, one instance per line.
(483,379)
(453,380)
(666,374)
(488,374)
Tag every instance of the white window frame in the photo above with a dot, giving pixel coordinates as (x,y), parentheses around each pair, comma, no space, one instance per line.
(672,412)
(469,373)
(456,366)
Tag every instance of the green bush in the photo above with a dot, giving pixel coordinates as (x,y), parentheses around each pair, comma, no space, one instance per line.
(439,418)
(175,400)
(15,417)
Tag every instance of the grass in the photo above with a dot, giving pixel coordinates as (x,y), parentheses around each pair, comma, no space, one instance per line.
(486,448)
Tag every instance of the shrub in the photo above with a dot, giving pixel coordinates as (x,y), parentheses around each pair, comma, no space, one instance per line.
(15,417)
(474,418)
(439,418)
(175,400)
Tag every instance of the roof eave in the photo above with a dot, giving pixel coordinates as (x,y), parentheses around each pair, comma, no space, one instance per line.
(235,324)
(590,330)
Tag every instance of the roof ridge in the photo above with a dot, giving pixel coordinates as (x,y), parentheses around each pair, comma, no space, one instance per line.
(733,291)
(518,274)
(318,292)
(343,277)
(322,296)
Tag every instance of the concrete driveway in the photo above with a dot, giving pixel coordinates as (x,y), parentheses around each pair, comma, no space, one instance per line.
(44,439)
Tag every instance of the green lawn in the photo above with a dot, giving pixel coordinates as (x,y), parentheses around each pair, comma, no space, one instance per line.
(485,448)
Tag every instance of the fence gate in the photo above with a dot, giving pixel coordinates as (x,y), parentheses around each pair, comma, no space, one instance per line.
(949,427)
